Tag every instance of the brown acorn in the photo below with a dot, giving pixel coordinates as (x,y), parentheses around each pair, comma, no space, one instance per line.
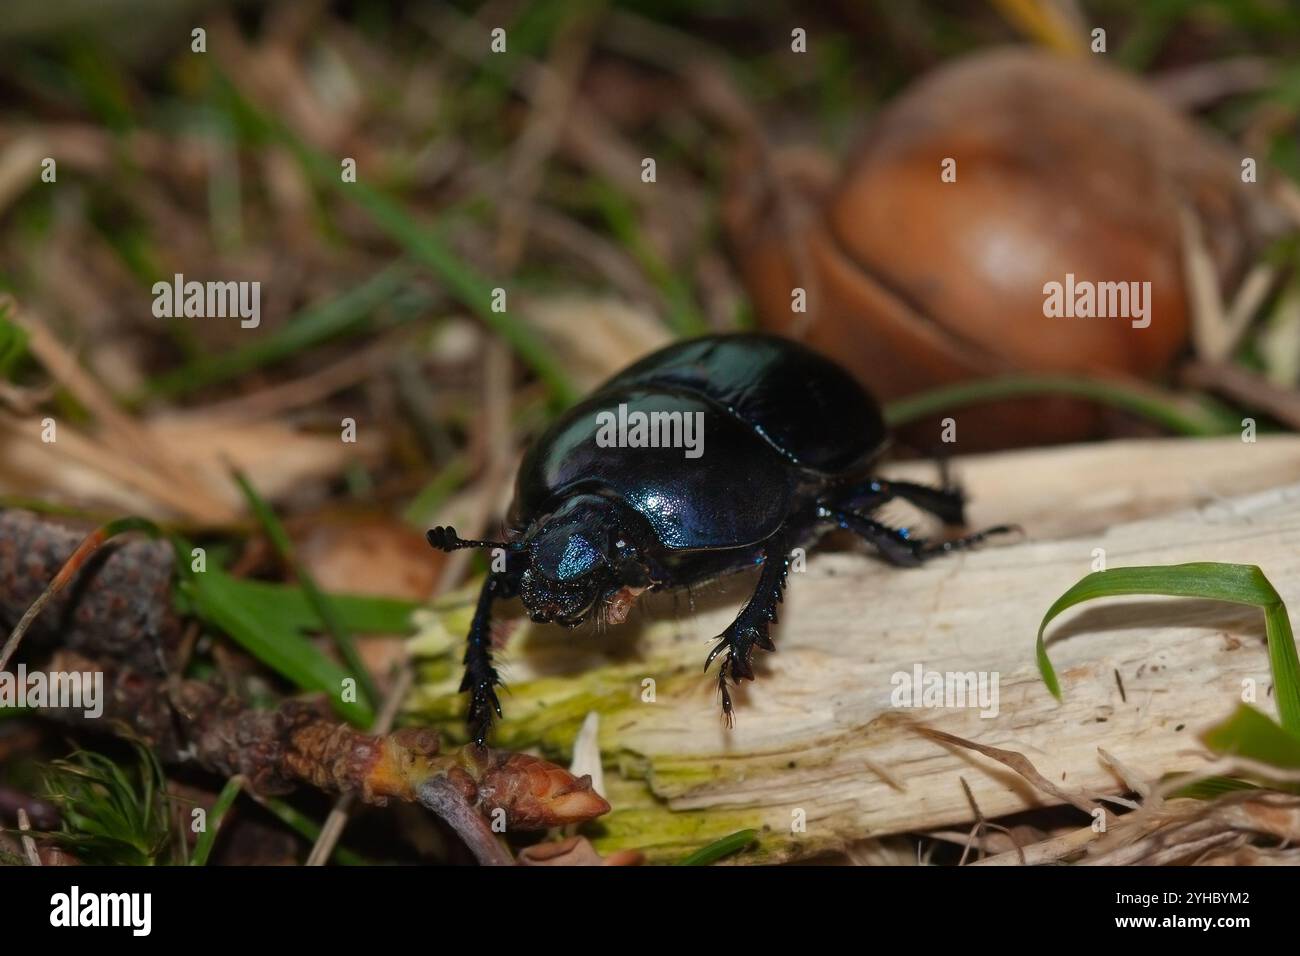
(1055,167)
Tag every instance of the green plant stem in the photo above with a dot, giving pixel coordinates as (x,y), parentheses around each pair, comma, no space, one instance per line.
(333,622)
(1148,403)
(718,849)
(208,838)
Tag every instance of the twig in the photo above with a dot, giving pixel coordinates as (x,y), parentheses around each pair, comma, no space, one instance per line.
(1205,297)
(977,829)
(1196,86)
(607,259)
(1017,762)
(299,392)
(714,91)
(188,721)
(332,829)
(558,82)
(29,845)
(1048,851)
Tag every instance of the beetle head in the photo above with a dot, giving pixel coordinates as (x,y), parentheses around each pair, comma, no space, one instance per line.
(578,559)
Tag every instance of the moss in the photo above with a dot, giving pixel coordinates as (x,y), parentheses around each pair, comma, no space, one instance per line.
(544,713)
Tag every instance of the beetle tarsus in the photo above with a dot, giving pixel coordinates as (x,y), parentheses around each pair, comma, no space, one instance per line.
(934,548)
(481,677)
(895,546)
(483,703)
(751,627)
(728,712)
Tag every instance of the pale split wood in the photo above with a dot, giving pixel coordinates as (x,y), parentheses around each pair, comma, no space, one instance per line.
(820,716)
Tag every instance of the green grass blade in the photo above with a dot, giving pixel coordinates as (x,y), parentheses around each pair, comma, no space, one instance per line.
(308,829)
(322,605)
(289,607)
(421,243)
(1252,734)
(208,838)
(464,282)
(718,849)
(684,314)
(1284,664)
(1211,788)
(1233,583)
(425,504)
(314,325)
(13,343)
(1146,402)
(216,597)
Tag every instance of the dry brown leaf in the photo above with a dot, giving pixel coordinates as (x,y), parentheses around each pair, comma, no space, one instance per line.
(574,851)
(596,337)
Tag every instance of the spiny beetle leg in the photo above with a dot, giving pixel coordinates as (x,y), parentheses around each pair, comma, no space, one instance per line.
(898,547)
(948,503)
(752,624)
(481,677)
(894,545)
(932,548)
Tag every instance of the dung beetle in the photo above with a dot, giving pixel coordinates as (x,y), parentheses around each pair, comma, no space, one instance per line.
(709,456)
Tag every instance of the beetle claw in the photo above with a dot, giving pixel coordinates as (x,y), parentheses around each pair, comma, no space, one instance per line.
(728,712)
(718,648)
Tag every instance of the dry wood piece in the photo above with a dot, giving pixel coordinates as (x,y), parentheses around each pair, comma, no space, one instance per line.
(820,738)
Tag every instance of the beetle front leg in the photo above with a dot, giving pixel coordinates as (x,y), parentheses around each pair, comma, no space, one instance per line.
(481,678)
(751,625)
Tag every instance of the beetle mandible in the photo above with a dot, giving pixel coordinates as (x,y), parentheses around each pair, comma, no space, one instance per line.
(789,442)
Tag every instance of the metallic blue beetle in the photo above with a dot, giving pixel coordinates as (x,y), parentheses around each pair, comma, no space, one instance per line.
(788,440)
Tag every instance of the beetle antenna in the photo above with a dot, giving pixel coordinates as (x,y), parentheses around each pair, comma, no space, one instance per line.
(446,539)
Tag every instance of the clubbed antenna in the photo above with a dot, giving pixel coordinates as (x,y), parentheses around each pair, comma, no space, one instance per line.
(446,539)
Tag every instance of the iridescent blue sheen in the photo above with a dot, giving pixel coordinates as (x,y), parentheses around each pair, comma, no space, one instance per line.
(578,559)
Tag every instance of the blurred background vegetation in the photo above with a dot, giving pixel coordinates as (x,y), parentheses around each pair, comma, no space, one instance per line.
(520,170)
